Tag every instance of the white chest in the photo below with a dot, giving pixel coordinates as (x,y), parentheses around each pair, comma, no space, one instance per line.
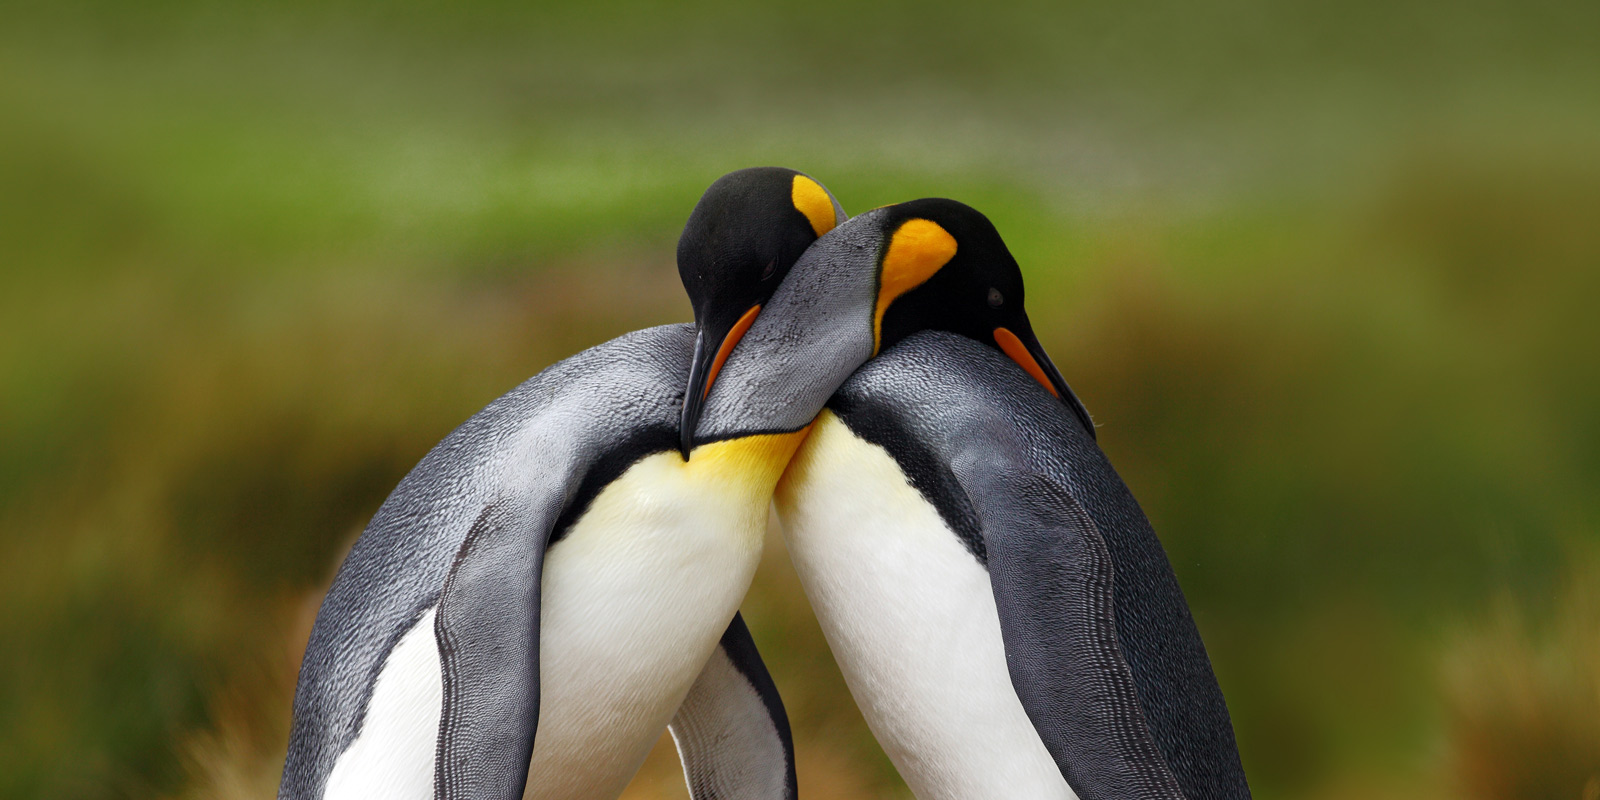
(635,599)
(910,616)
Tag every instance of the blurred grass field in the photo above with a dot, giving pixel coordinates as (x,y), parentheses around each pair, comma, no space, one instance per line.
(1327,276)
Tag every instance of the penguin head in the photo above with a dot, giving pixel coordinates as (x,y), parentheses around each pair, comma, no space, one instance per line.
(739,244)
(945,268)
(929,264)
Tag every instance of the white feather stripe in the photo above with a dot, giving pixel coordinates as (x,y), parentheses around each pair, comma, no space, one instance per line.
(393,756)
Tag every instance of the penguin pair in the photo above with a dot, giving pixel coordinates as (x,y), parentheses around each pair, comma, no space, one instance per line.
(564,562)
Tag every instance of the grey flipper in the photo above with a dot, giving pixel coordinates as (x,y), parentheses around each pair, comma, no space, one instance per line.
(1052,579)
(936,400)
(538,455)
(732,732)
(487,629)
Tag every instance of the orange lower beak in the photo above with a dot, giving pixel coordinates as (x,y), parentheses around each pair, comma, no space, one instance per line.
(1030,356)
(703,374)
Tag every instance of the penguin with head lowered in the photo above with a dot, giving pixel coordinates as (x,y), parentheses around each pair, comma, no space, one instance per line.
(998,603)
(558,579)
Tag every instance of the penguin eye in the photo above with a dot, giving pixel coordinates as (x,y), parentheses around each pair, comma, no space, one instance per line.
(772,266)
(995,298)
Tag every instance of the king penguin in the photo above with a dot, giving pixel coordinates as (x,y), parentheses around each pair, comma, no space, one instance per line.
(999,605)
(570,560)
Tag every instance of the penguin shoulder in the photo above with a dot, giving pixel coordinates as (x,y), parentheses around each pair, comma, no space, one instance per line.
(570,412)
(952,392)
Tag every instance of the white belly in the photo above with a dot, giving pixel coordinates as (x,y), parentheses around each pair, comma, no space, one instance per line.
(910,616)
(634,599)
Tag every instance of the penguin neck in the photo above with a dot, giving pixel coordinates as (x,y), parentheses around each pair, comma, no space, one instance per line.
(752,462)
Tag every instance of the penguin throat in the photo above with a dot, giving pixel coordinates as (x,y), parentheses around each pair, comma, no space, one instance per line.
(749,461)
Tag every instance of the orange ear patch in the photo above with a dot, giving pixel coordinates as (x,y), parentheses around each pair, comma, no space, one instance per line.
(917,251)
(1012,346)
(812,200)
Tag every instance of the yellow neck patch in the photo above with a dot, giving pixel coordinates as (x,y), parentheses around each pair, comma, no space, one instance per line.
(917,250)
(748,463)
(812,200)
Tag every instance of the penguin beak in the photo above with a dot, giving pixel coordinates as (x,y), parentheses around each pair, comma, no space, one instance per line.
(712,346)
(1030,355)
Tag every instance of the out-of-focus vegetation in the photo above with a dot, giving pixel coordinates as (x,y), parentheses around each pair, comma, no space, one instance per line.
(1522,698)
(1327,275)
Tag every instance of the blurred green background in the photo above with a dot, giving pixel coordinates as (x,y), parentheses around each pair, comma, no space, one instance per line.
(1326,274)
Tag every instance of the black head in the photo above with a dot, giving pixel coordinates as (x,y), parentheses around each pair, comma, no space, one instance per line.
(972,288)
(746,232)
